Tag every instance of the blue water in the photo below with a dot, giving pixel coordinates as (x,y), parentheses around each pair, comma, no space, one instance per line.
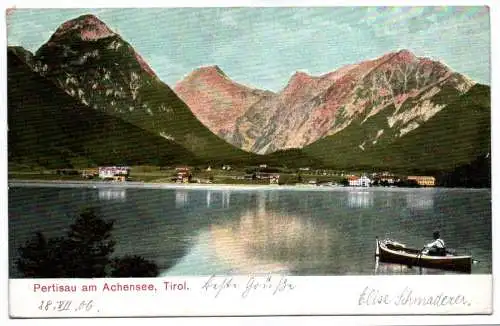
(306,232)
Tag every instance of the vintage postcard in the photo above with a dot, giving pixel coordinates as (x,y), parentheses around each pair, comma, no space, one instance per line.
(249,161)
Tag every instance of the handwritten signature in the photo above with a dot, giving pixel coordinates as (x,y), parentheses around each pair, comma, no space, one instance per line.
(407,297)
(267,283)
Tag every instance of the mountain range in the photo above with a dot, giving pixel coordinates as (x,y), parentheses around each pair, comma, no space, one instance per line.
(88,95)
(396,111)
(309,108)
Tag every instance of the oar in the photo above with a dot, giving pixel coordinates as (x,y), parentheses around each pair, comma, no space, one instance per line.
(419,256)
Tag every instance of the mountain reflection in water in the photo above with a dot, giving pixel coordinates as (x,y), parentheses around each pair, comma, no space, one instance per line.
(262,242)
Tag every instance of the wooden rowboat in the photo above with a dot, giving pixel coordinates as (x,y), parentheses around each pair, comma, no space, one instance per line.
(393,252)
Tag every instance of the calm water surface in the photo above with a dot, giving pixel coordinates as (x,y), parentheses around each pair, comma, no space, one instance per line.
(305,232)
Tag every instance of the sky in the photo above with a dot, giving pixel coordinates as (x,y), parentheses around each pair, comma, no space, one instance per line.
(264,47)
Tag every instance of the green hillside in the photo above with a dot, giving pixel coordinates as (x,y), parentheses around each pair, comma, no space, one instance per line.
(455,136)
(291,158)
(50,129)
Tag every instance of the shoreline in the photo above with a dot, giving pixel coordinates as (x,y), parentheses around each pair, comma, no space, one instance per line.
(197,186)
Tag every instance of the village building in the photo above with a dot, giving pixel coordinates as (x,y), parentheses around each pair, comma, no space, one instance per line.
(274,179)
(425,181)
(115,173)
(357,181)
(183,175)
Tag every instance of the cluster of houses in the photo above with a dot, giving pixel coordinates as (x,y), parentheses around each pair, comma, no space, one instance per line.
(388,179)
(108,173)
(184,175)
(272,177)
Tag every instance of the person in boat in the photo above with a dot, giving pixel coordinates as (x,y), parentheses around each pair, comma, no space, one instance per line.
(436,247)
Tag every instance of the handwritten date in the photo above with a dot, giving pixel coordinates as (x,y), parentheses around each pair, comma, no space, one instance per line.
(67,305)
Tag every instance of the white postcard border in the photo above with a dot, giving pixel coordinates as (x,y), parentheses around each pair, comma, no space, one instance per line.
(258,294)
(386,320)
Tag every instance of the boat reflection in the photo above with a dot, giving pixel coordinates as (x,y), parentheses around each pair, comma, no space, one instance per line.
(391,268)
(360,199)
(112,194)
(387,268)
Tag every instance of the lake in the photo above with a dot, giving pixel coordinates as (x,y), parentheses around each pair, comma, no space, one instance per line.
(309,231)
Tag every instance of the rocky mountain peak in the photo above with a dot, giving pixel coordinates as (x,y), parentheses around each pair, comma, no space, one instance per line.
(206,74)
(299,80)
(215,99)
(214,71)
(301,76)
(405,55)
(74,44)
(87,27)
